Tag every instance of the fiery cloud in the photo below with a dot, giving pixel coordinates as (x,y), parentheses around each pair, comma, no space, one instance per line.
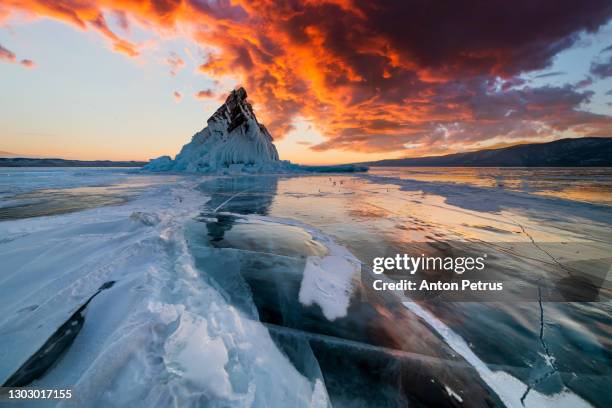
(205,94)
(377,76)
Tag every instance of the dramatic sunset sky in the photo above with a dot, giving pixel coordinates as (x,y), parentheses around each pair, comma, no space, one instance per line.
(334,81)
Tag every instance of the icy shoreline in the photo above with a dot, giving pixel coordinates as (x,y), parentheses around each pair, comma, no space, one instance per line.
(166,165)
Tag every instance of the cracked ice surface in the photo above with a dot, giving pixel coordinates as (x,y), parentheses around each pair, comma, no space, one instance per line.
(160,336)
(223,295)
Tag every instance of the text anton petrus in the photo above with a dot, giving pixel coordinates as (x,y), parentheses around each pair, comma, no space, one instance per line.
(404,264)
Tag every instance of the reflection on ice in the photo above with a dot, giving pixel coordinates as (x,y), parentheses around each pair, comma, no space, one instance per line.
(242,194)
(235,231)
(372,219)
(592,185)
(232,294)
(267,261)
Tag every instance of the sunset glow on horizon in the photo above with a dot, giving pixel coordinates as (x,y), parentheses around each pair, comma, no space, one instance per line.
(334,81)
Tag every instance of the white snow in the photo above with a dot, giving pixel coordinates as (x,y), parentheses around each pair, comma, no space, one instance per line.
(329,280)
(233,141)
(161,336)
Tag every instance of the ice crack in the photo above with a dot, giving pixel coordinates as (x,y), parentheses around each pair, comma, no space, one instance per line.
(549,358)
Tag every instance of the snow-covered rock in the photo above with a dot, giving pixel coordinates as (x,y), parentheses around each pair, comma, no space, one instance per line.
(235,142)
(232,141)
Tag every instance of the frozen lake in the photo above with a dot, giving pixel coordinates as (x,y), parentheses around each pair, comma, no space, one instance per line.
(257,290)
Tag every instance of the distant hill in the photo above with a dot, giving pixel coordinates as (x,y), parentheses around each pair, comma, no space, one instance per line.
(28,162)
(583,152)
(7,154)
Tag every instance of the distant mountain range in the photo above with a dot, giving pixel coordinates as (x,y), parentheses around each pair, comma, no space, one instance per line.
(8,154)
(583,152)
(29,162)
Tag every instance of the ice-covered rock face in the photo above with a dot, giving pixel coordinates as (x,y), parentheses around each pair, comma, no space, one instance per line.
(233,141)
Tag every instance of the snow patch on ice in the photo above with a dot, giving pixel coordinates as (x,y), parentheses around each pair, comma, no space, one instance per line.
(327,281)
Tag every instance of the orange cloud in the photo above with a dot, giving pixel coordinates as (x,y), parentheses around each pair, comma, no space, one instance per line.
(205,94)
(375,76)
(7,55)
(27,63)
(82,14)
